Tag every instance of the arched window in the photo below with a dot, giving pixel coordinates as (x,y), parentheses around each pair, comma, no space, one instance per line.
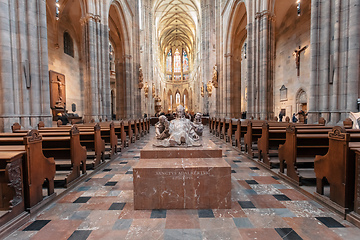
(168,62)
(68,44)
(177,61)
(185,62)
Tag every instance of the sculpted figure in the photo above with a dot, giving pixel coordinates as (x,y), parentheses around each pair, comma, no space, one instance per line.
(146,90)
(202,91)
(215,77)
(209,88)
(141,78)
(153,90)
(182,132)
(199,127)
(162,128)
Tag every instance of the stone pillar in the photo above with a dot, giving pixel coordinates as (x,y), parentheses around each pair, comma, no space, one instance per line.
(24,95)
(90,71)
(353,70)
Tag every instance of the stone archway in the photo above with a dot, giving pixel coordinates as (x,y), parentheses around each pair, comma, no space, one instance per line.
(301,100)
(234,57)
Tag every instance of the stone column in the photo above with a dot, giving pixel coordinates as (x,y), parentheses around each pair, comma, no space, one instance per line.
(353,70)
(90,71)
(314,43)
(23,39)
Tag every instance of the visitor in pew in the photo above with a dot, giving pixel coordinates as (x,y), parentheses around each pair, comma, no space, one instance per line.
(63,118)
(294,119)
(281,116)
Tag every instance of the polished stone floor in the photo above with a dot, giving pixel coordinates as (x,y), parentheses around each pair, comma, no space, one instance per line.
(263,207)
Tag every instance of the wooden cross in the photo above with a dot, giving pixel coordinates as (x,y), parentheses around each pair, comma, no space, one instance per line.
(297,53)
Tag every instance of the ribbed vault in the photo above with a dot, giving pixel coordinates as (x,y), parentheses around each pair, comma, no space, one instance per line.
(176,23)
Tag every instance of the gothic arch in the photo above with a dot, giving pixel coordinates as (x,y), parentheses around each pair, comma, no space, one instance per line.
(118,36)
(301,100)
(236,37)
(170,101)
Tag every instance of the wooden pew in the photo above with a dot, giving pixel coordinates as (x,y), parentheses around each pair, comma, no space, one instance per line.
(120,132)
(224,128)
(231,131)
(253,133)
(300,148)
(354,216)
(269,142)
(12,195)
(129,132)
(218,127)
(338,167)
(237,135)
(65,148)
(274,133)
(37,168)
(90,137)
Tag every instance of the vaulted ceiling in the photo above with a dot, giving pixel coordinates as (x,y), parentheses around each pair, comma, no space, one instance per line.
(176,22)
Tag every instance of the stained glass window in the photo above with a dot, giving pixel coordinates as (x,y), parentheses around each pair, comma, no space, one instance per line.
(177,61)
(185,61)
(168,62)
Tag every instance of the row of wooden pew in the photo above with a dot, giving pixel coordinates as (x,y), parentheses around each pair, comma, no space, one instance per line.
(55,156)
(304,154)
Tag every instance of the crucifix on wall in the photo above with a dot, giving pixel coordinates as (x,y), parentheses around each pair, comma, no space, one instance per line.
(297,53)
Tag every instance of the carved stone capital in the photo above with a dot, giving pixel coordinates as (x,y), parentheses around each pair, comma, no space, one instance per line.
(90,17)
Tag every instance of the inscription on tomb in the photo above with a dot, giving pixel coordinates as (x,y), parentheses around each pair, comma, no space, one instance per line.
(182,175)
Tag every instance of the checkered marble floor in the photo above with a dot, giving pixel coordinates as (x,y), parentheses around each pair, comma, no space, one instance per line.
(263,207)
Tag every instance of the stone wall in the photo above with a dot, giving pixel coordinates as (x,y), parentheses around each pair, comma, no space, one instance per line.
(294,31)
(67,65)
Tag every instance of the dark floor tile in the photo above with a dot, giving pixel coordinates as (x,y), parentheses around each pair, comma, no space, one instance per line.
(107,170)
(123,162)
(251,182)
(136,157)
(129,172)
(130,151)
(156,213)
(82,200)
(288,234)
(254,168)
(233,171)
(236,161)
(87,179)
(80,235)
(330,222)
(83,189)
(275,177)
(281,197)
(206,213)
(37,225)
(246,204)
(117,206)
(110,184)
(224,155)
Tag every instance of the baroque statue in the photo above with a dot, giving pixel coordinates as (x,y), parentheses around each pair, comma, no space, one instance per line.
(162,128)
(181,132)
(209,88)
(153,90)
(202,90)
(215,77)
(199,127)
(146,90)
(141,78)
